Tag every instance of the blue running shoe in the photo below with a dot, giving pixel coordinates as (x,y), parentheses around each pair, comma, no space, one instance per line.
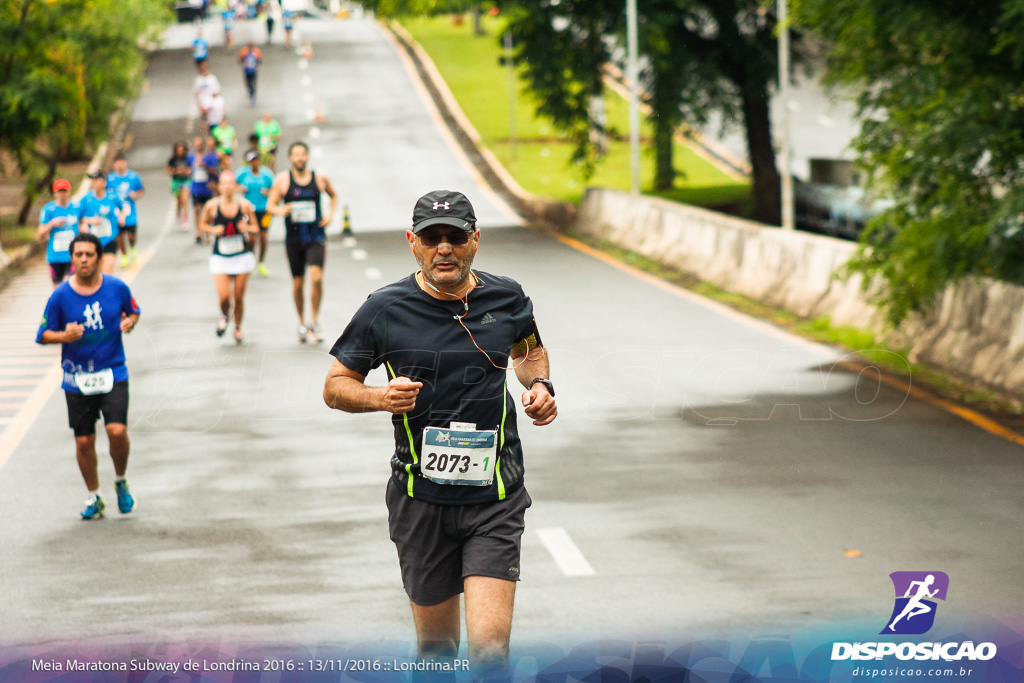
(94,508)
(125,502)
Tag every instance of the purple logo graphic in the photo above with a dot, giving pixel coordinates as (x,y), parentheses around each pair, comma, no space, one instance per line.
(916,593)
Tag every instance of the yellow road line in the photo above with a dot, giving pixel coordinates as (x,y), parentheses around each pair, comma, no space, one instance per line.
(11,437)
(971,416)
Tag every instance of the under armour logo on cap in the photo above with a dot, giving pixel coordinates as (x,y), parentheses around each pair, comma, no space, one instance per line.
(443,207)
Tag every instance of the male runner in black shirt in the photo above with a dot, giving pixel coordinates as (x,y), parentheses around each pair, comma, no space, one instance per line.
(296,195)
(456,499)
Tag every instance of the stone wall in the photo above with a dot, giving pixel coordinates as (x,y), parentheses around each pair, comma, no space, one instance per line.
(975,331)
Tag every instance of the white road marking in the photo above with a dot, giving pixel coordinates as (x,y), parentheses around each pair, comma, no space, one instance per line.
(314,132)
(359,254)
(318,152)
(567,556)
(373,274)
(307,80)
(303,64)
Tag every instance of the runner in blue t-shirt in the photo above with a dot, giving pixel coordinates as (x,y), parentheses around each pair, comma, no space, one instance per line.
(228,15)
(102,213)
(200,49)
(205,166)
(289,25)
(127,185)
(87,316)
(58,222)
(257,181)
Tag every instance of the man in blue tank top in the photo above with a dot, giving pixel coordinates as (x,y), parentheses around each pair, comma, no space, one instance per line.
(87,316)
(296,196)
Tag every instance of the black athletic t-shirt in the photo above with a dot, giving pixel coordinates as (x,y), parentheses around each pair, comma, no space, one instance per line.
(180,168)
(415,335)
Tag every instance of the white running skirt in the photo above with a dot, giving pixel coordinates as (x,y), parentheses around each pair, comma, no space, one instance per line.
(239,264)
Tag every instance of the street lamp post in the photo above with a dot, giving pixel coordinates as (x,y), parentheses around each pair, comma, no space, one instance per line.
(633,76)
(788,219)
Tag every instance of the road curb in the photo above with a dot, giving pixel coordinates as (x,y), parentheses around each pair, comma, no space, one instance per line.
(539,212)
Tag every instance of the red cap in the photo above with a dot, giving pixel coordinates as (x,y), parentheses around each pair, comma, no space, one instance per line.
(61,184)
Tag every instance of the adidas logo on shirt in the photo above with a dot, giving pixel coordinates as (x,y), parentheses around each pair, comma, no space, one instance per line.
(488,318)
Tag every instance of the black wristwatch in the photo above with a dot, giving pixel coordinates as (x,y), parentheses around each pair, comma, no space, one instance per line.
(545,382)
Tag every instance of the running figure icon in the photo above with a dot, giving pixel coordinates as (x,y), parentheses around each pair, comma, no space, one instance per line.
(915,606)
(917,595)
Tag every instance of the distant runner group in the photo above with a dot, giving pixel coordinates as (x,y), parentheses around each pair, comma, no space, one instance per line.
(90,309)
(456,497)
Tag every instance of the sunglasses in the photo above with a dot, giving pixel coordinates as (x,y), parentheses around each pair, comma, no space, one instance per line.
(456,238)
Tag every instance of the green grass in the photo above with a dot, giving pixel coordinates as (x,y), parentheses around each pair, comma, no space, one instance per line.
(15,236)
(540,160)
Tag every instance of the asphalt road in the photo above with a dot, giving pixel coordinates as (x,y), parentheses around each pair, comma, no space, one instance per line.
(708,474)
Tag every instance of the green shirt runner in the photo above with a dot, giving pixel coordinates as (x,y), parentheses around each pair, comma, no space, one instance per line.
(269,132)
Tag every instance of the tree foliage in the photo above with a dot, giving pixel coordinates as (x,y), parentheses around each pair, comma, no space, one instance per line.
(940,90)
(698,56)
(65,67)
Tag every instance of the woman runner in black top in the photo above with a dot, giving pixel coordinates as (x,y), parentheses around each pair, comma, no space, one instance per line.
(233,223)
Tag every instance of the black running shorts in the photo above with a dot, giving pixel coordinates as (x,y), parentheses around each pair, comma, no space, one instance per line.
(263,220)
(110,248)
(302,254)
(59,271)
(440,545)
(130,229)
(83,411)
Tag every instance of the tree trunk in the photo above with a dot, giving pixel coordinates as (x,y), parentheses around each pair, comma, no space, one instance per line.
(33,190)
(665,116)
(478,24)
(664,171)
(756,116)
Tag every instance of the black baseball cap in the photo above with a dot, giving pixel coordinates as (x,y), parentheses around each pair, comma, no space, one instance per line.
(443,207)
(96,174)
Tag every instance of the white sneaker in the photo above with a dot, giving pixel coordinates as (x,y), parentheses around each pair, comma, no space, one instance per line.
(303,332)
(317,333)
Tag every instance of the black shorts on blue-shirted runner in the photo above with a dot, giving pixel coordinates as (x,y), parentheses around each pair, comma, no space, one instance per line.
(59,271)
(83,411)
